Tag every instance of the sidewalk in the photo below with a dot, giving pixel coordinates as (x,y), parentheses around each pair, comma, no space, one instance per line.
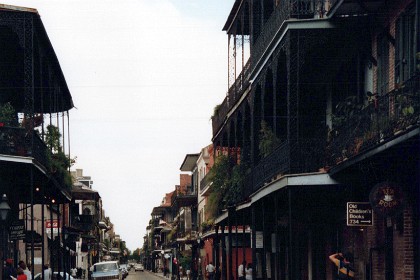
(160,274)
(167,277)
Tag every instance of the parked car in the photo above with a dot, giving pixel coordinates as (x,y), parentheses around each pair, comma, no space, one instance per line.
(107,270)
(138,267)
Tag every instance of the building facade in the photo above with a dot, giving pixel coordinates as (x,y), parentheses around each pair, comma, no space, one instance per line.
(322,121)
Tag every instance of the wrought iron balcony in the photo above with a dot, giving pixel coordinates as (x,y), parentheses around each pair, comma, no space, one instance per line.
(233,96)
(287,9)
(184,198)
(386,117)
(17,141)
(84,222)
(204,183)
(276,163)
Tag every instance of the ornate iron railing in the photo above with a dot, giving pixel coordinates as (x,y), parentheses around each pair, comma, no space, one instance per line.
(308,154)
(84,222)
(17,141)
(204,182)
(269,167)
(234,94)
(386,117)
(286,10)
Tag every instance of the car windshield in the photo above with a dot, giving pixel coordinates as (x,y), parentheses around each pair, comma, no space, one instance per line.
(105,267)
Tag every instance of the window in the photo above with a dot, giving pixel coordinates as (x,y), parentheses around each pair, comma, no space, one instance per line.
(405,41)
(383,62)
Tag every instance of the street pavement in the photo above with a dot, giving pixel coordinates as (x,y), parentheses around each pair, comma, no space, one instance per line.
(144,275)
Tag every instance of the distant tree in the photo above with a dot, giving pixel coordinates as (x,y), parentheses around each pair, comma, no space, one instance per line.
(136,255)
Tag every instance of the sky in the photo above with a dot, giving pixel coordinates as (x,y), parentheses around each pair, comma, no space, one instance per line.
(145,76)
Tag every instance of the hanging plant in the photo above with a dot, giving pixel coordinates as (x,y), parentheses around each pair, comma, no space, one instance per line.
(7,115)
(268,140)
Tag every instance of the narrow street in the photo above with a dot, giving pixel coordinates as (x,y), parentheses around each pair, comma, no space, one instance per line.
(143,275)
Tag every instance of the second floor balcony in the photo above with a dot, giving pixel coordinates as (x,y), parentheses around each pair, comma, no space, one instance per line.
(184,198)
(381,120)
(384,118)
(18,141)
(84,222)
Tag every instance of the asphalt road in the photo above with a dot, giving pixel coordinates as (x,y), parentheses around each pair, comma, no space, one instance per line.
(142,275)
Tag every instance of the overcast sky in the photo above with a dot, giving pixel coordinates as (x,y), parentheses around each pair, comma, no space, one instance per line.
(145,76)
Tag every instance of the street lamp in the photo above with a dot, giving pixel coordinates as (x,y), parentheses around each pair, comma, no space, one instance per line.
(4,209)
(4,213)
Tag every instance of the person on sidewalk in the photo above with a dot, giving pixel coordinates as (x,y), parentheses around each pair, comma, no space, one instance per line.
(241,270)
(25,269)
(343,262)
(47,272)
(248,272)
(210,271)
(21,275)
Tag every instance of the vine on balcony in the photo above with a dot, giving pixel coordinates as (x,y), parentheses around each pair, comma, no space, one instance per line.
(59,161)
(227,184)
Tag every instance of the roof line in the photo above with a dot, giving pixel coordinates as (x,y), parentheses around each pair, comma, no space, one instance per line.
(18,8)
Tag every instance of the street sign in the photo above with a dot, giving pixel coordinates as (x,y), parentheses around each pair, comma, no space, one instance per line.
(359,214)
(17,230)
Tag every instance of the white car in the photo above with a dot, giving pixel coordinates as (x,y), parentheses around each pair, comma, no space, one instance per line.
(138,267)
(107,270)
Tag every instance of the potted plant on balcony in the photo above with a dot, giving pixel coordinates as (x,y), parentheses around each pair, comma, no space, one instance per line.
(59,162)
(216,111)
(7,115)
(268,140)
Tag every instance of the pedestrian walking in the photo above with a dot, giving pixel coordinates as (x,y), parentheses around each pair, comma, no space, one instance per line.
(47,272)
(21,275)
(343,262)
(241,270)
(25,269)
(248,272)
(210,271)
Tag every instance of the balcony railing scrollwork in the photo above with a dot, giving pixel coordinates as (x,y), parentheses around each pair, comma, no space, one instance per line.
(17,141)
(272,165)
(386,117)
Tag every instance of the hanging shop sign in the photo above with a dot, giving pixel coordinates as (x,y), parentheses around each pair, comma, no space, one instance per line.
(51,225)
(387,198)
(359,214)
(17,230)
